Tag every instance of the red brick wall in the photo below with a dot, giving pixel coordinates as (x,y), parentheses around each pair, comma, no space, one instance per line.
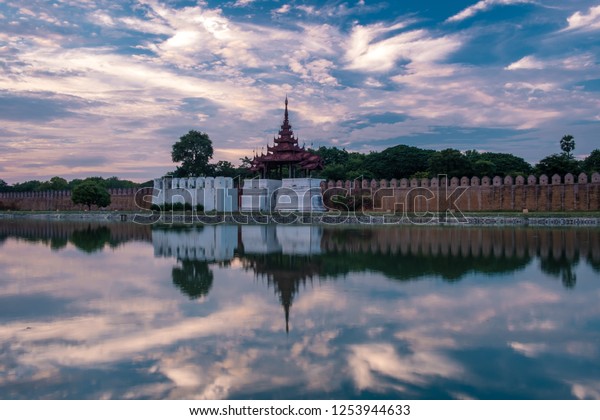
(502,195)
(125,199)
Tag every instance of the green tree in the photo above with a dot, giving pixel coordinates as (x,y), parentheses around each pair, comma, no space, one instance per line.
(592,162)
(398,162)
(483,168)
(332,155)
(559,164)
(27,186)
(224,168)
(194,150)
(567,145)
(450,162)
(56,183)
(4,187)
(335,171)
(90,193)
(115,182)
(507,164)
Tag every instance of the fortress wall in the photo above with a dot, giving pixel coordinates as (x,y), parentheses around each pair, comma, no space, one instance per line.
(534,194)
(122,199)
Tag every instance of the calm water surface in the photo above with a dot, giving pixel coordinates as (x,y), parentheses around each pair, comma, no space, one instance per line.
(129,311)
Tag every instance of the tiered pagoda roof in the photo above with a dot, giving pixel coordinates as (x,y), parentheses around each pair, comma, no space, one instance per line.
(286,152)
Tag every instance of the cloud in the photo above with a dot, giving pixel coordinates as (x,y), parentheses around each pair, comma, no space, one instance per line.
(527,63)
(36,107)
(282,10)
(574,62)
(243,3)
(483,6)
(375,48)
(585,21)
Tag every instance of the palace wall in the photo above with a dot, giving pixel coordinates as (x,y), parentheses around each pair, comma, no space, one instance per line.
(533,194)
(123,199)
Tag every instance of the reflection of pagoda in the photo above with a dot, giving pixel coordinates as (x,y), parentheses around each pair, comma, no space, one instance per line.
(286,153)
(286,273)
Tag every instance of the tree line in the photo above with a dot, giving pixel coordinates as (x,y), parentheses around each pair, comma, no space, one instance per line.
(57,183)
(194,151)
(412,162)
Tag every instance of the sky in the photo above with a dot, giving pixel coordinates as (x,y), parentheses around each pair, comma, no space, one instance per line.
(104,88)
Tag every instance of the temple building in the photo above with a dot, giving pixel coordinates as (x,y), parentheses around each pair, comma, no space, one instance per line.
(284,194)
(285,153)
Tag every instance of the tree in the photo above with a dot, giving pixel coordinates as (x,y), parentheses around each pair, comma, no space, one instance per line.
(482,167)
(115,182)
(194,150)
(90,193)
(559,164)
(224,168)
(398,162)
(592,162)
(567,144)
(507,164)
(332,155)
(56,183)
(450,162)
(27,186)
(4,186)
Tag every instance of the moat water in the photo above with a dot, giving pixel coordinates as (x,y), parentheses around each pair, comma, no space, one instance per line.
(126,311)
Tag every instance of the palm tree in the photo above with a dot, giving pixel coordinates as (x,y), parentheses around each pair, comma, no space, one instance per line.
(567,144)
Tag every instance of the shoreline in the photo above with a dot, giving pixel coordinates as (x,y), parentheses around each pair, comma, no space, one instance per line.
(471,219)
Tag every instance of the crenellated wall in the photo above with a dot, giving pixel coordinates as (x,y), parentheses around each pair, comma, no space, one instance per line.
(125,199)
(543,194)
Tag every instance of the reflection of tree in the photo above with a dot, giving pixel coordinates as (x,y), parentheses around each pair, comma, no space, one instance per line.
(561,267)
(91,239)
(57,234)
(193,278)
(57,243)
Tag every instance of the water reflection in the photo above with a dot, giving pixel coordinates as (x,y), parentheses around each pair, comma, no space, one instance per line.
(125,311)
(299,253)
(88,237)
(289,257)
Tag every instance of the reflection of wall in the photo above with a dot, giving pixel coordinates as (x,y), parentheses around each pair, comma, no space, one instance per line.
(467,242)
(287,239)
(260,239)
(299,240)
(208,243)
(44,229)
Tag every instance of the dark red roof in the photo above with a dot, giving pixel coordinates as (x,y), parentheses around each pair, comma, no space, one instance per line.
(286,151)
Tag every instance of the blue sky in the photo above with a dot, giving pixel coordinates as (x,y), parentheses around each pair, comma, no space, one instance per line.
(105,88)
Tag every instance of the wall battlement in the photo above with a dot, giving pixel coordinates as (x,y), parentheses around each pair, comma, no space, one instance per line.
(126,199)
(543,194)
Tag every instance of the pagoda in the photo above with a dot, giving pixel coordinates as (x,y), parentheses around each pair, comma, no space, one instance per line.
(286,153)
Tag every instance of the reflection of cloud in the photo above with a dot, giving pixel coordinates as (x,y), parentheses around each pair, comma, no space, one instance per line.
(383,336)
(373,365)
(126,346)
(528,349)
(586,391)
